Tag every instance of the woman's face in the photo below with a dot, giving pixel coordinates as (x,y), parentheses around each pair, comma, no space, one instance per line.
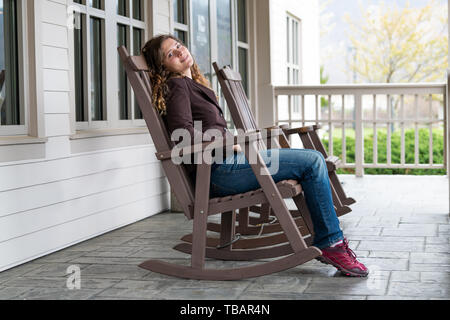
(177,57)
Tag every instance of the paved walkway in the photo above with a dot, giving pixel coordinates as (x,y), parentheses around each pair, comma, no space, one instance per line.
(399,228)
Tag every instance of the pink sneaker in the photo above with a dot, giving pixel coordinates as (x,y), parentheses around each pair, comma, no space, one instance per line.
(344,259)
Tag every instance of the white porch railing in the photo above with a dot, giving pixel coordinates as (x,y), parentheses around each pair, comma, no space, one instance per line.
(369,107)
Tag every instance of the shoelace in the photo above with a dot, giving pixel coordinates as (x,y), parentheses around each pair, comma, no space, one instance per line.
(350,251)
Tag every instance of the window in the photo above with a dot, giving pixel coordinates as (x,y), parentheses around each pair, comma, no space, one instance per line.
(181,22)
(293,50)
(11,109)
(242,43)
(98,68)
(224,33)
(293,32)
(214,30)
(201,42)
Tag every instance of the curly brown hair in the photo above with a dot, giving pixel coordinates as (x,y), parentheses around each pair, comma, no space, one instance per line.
(159,75)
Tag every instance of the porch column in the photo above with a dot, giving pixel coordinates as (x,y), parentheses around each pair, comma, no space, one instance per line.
(447,131)
(259,10)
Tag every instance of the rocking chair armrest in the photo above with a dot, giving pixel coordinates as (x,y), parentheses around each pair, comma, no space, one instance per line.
(209,146)
(301,130)
(274,131)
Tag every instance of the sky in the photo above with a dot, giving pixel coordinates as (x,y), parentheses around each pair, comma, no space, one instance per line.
(335,44)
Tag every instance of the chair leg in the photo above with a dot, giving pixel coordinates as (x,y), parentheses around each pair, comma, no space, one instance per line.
(227,232)
(200,226)
(300,202)
(199,241)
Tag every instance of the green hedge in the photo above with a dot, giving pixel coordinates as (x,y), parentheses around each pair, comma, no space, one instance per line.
(438,150)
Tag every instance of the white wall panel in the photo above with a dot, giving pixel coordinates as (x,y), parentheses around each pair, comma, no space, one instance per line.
(54,35)
(43,172)
(34,220)
(75,189)
(31,246)
(57,125)
(55,58)
(56,102)
(42,195)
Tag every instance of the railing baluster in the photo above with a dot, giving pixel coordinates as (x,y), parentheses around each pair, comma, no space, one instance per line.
(359,137)
(402,143)
(303,110)
(290,98)
(317,109)
(277,110)
(344,138)
(389,127)
(330,128)
(416,129)
(375,131)
(431,131)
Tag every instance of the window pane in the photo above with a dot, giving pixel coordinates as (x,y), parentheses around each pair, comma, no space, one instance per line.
(137,10)
(137,45)
(182,35)
(243,67)
(96,4)
(9,66)
(224,32)
(122,8)
(123,84)
(242,20)
(80,109)
(96,70)
(179,10)
(295,40)
(288,40)
(201,36)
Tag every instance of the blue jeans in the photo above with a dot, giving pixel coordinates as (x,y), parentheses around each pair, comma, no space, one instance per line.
(306,166)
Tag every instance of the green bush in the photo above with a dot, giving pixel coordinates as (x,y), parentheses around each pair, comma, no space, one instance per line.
(438,150)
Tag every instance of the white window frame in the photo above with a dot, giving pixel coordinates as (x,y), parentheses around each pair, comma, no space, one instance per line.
(177,26)
(294,49)
(110,19)
(240,44)
(294,57)
(22,34)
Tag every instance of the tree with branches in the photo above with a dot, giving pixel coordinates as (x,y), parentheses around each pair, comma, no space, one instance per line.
(395,45)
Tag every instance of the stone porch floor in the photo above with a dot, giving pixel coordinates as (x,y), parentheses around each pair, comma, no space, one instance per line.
(399,228)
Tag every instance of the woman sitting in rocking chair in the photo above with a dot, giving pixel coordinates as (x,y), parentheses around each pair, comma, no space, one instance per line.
(183,95)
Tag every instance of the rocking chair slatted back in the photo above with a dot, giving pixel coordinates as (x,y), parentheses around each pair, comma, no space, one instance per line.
(237,100)
(138,75)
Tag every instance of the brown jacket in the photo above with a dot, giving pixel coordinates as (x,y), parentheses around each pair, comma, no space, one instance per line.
(189,101)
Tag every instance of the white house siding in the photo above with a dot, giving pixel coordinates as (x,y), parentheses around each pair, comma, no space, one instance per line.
(80,188)
(269,51)
(307,11)
(162,21)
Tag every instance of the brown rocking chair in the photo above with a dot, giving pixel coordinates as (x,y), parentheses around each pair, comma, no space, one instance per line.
(231,84)
(198,206)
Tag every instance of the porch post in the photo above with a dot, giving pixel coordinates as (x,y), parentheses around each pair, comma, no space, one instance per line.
(447,132)
(262,63)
